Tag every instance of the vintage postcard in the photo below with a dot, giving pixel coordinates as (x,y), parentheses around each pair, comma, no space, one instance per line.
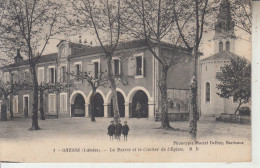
(125,81)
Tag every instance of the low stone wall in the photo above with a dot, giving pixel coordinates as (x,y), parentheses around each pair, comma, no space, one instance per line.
(234,118)
(182,116)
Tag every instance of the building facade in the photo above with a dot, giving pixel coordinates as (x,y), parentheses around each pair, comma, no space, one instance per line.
(132,59)
(224,47)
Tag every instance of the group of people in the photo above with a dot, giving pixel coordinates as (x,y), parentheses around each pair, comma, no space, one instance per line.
(117,129)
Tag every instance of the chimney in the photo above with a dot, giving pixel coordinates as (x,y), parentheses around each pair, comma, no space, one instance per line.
(80,39)
(18,58)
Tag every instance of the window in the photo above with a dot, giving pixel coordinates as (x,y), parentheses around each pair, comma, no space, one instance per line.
(139,65)
(207,92)
(63,102)
(26,75)
(220,46)
(52,103)
(63,74)
(116,67)
(78,69)
(15,77)
(52,75)
(40,75)
(77,72)
(227,46)
(96,67)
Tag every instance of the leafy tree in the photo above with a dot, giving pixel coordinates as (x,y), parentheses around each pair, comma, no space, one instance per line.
(29,25)
(235,81)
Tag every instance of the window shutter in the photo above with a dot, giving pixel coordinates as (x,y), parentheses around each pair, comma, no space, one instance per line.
(131,66)
(55,75)
(47,75)
(113,67)
(59,74)
(90,69)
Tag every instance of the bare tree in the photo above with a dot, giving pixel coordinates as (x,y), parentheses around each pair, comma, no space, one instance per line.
(29,25)
(191,14)
(152,21)
(241,14)
(104,17)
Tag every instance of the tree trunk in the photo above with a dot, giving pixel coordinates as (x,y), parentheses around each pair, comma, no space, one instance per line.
(11,107)
(194,98)
(41,106)
(92,105)
(163,88)
(113,89)
(4,109)
(35,125)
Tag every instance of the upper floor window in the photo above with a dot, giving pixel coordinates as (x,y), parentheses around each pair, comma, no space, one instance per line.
(26,75)
(116,67)
(15,77)
(40,75)
(51,74)
(63,74)
(220,46)
(207,92)
(139,65)
(78,69)
(96,67)
(227,46)
(136,65)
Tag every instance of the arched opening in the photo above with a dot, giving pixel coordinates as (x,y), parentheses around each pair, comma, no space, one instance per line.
(220,46)
(78,108)
(121,105)
(227,46)
(98,105)
(139,105)
(207,92)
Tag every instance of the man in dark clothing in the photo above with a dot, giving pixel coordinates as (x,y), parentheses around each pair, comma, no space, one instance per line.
(118,130)
(111,130)
(125,130)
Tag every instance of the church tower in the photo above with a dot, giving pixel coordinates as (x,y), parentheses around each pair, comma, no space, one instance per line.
(224,38)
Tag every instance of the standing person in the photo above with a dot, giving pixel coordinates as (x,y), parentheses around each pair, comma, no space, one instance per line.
(111,130)
(138,110)
(125,130)
(118,130)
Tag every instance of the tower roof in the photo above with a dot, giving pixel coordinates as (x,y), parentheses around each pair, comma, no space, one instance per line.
(224,23)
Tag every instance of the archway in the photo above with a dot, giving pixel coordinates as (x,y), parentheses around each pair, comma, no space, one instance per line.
(141,97)
(121,105)
(98,105)
(78,106)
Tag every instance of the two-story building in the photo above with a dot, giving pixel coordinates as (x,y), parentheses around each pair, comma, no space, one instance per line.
(132,59)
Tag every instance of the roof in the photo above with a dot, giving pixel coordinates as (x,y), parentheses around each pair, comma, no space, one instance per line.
(224,55)
(45,58)
(78,50)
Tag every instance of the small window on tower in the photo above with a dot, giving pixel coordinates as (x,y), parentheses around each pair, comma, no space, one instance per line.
(220,46)
(227,46)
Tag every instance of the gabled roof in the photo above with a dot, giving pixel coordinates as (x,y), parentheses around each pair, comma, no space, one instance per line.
(224,55)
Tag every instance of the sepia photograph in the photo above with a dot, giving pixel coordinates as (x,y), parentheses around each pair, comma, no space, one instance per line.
(125,81)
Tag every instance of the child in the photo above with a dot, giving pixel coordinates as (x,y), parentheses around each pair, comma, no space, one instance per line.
(125,130)
(111,130)
(118,130)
